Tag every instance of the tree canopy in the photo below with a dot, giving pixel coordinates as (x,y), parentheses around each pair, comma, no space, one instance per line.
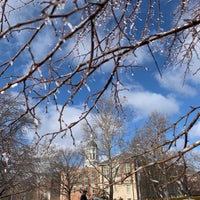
(53,50)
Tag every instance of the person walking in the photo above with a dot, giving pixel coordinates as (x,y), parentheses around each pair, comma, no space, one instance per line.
(83,196)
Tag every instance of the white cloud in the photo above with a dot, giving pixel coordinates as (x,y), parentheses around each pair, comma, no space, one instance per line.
(144,103)
(50,123)
(173,80)
(184,79)
(142,56)
(195,131)
(194,75)
(43,43)
(138,58)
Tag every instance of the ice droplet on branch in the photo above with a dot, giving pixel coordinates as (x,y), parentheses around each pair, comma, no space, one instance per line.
(68,24)
(88,88)
(14,85)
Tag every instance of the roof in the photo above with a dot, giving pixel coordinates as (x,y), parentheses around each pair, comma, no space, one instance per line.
(92,143)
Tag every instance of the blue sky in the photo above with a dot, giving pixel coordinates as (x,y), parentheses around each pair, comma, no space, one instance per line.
(148,91)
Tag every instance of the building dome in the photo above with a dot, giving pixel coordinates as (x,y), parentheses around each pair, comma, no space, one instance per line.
(92,143)
(91,153)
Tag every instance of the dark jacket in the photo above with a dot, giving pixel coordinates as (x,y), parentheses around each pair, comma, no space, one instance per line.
(83,197)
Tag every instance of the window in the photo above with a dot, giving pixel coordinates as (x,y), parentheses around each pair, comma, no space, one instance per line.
(93,153)
(127,168)
(128,189)
(100,178)
(93,177)
(105,171)
(80,181)
(86,179)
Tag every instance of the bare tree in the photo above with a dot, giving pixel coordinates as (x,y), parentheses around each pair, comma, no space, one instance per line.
(85,37)
(11,107)
(19,179)
(108,130)
(159,180)
(64,166)
(17,157)
(191,179)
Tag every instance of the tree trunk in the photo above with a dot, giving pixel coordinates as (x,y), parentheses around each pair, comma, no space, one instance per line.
(111,191)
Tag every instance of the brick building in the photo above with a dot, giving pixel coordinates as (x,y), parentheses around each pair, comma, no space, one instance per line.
(93,177)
